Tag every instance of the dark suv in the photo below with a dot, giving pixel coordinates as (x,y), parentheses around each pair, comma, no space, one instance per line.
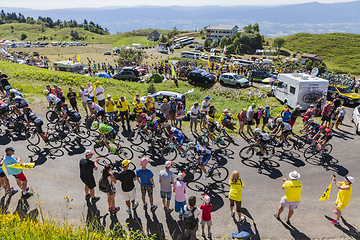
(260,75)
(201,76)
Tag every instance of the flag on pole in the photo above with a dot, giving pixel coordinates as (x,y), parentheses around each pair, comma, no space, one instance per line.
(224,50)
(78,58)
(171,65)
(326,194)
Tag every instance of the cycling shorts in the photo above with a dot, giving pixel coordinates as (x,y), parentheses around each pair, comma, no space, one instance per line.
(212,128)
(18,105)
(151,126)
(4,109)
(100,113)
(38,124)
(328,138)
(161,120)
(111,135)
(263,143)
(58,106)
(286,133)
(180,140)
(205,159)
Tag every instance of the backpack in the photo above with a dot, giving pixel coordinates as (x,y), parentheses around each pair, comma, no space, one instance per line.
(104,185)
(189,218)
(244,233)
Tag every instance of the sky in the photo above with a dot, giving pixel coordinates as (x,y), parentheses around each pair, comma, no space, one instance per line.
(60,4)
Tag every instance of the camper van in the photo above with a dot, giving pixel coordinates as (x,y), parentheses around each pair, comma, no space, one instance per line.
(299,89)
(69,66)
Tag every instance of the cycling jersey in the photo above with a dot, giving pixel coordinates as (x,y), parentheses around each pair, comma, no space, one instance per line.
(103,128)
(328,133)
(4,108)
(17,93)
(20,102)
(150,123)
(201,151)
(161,117)
(72,114)
(30,117)
(285,126)
(223,118)
(175,132)
(263,137)
(53,99)
(96,107)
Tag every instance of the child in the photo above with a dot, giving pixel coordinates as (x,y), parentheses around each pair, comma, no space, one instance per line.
(180,190)
(206,208)
(191,215)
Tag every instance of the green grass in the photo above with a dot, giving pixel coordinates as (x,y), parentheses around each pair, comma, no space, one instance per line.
(127,41)
(341,51)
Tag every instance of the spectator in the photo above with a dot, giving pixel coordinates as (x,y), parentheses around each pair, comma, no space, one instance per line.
(194,117)
(90,91)
(124,109)
(83,94)
(191,220)
(180,114)
(127,178)
(51,90)
(99,93)
(172,111)
(4,181)
(266,116)
(308,114)
(286,115)
(206,208)
(325,114)
(10,159)
(250,117)
(180,191)
(165,108)
(59,93)
(107,175)
(166,178)
(138,109)
(145,177)
(341,112)
(87,167)
(257,116)
(137,96)
(204,109)
(235,194)
(318,106)
(72,99)
(292,196)
(110,107)
(242,117)
(149,102)
(212,111)
(296,113)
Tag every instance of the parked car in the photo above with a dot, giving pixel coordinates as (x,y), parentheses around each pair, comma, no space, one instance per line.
(191,46)
(200,48)
(355,118)
(344,93)
(107,53)
(201,76)
(160,96)
(234,79)
(177,46)
(260,75)
(126,75)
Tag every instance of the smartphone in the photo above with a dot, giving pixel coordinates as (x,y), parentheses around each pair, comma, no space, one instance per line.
(334,175)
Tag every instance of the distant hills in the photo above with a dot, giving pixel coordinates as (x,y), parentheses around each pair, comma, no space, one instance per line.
(274,21)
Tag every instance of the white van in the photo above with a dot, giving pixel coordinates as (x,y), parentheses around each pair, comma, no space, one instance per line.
(299,89)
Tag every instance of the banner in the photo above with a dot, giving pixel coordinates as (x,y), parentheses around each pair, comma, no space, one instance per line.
(22,165)
(326,194)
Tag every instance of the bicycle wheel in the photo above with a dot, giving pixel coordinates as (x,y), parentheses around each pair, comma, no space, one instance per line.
(158,142)
(192,174)
(219,173)
(310,151)
(223,141)
(246,152)
(328,148)
(135,138)
(301,142)
(101,149)
(169,153)
(62,128)
(55,140)
(82,132)
(269,152)
(288,146)
(88,123)
(32,137)
(202,140)
(52,116)
(125,153)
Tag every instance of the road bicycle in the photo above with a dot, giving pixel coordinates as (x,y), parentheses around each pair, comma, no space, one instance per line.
(122,152)
(64,129)
(249,151)
(222,139)
(53,138)
(53,115)
(304,140)
(139,136)
(275,142)
(315,148)
(193,172)
(170,152)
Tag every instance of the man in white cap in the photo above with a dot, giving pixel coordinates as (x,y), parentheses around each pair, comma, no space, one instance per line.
(145,177)
(87,167)
(343,197)
(166,178)
(292,196)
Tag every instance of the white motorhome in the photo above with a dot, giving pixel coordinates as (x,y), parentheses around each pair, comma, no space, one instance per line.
(69,66)
(299,89)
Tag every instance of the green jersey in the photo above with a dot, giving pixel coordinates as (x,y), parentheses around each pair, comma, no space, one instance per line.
(103,128)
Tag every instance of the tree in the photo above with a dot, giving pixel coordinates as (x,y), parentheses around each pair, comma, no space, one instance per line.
(129,55)
(201,32)
(223,42)
(175,31)
(23,36)
(163,39)
(248,28)
(207,43)
(214,44)
(278,43)
(256,28)
(230,49)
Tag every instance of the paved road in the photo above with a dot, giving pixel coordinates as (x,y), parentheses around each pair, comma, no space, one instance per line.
(56,175)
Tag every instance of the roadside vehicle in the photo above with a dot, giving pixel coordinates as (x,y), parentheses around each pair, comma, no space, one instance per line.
(190,54)
(217,58)
(355,118)
(344,93)
(233,79)
(177,46)
(107,53)
(200,48)
(201,76)
(69,66)
(160,96)
(299,89)
(125,75)
(261,75)
(191,46)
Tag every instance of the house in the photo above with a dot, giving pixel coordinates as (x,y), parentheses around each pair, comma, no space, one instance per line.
(311,57)
(217,32)
(153,36)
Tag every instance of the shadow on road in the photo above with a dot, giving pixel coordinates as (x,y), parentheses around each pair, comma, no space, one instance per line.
(295,233)
(352,232)
(291,158)
(153,226)
(329,163)
(270,166)
(175,229)
(40,156)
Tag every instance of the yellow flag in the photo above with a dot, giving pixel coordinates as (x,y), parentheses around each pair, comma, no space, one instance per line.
(22,165)
(189,67)
(326,194)
(78,58)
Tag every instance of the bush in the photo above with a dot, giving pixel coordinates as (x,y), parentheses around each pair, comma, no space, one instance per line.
(23,36)
(151,88)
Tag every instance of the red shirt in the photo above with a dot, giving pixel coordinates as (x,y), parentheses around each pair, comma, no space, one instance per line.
(328,133)
(206,212)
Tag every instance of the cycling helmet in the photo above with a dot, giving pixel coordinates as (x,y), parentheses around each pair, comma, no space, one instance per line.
(143,115)
(7,87)
(279,120)
(64,105)
(89,100)
(257,130)
(46,92)
(26,108)
(167,124)
(311,120)
(244,109)
(322,128)
(191,144)
(230,114)
(225,111)
(95,124)
(12,91)
(152,108)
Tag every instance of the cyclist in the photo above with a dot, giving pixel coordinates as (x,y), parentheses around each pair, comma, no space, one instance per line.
(204,157)
(12,92)
(177,137)
(211,127)
(73,115)
(30,117)
(153,114)
(311,127)
(4,109)
(284,128)
(150,123)
(19,102)
(52,99)
(96,110)
(261,139)
(325,138)
(108,132)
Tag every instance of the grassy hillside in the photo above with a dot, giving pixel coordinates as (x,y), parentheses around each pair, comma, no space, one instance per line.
(341,51)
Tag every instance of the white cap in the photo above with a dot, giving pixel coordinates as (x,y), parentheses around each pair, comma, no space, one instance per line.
(108,96)
(168,163)
(350,179)
(206,198)
(294,175)
(298,106)
(181,176)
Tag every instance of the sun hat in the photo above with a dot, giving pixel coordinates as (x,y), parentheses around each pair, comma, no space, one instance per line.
(294,175)
(144,161)
(350,179)
(165,100)
(181,176)
(125,163)
(168,163)
(206,198)
(89,152)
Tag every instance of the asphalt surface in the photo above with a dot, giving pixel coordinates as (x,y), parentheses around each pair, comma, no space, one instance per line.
(56,175)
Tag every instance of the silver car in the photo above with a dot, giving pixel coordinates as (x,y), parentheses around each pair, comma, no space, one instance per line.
(160,96)
(234,79)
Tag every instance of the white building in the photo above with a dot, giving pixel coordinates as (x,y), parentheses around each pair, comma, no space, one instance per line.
(217,32)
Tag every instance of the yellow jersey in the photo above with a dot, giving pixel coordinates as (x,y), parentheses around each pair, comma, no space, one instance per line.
(122,106)
(139,106)
(344,196)
(150,103)
(293,190)
(110,107)
(235,190)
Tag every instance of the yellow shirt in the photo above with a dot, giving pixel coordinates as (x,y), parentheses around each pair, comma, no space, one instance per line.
(293,190)
(150,102)
(135,99)
(110,107)
(123,106)
(138,105)
(344,196)
(235,190)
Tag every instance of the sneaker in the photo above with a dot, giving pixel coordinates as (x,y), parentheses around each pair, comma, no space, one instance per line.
(335,211)
(95,199)
(128,210)
(204,178)
(153,208)
(320,153)
(261,157)
(335,222)
(232,213)
(241,219)
(165,209)
(115,210)
(202,234)
(209,234)
(145,206)
(191,131)
(180,216)
(170,210)
(276,216)
(87,197)
(13,191)
(135,205)
(286,144)
(46,143)
(287,222)
(195,131)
